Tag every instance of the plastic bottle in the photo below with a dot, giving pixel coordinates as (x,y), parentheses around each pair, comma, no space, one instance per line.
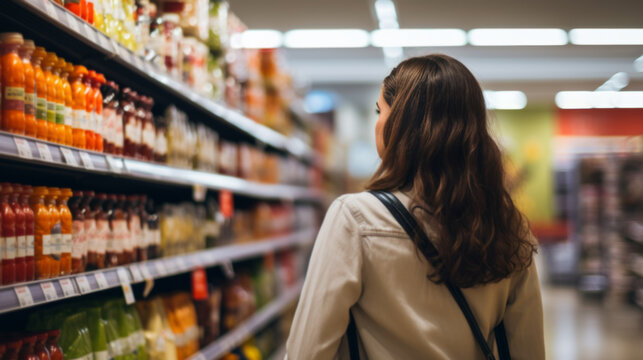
(55,352)
(55,229)
(103,231)
(42,126)
(89,228)
(21,230)
(153,223)
(113,252)
(30,266)
(131,123)
(110,104)
(8,235)
(97,80)
(149,129)
(52,94)
(13,83)
(119,132)
(135,229)
(79,241)
(25,51)
(79,124)
(27,352)
(66,230)
(90,136)
(66,70)
(122,232)
(40,348)
(13,349)
(42,232)
(60,100)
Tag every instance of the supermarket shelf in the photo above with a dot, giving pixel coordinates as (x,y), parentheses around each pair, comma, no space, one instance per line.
(32,150)
(88,36)
(13,297)
(242,332)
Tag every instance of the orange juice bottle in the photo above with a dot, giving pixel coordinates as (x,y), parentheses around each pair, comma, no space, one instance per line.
(42,233)
(65,224)
(78,106)
(97,81)
(41,92)
(60,101)
(65,70)
(47,66)
(13,83)
(26,50)
(90,135)
(55,228)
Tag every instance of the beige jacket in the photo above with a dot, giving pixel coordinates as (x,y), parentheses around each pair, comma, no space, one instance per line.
(364,262)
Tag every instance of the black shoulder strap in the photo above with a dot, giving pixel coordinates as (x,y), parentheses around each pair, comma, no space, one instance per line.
(408,223)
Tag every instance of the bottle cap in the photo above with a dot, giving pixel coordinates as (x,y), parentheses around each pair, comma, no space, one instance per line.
(40,190)
(11,38)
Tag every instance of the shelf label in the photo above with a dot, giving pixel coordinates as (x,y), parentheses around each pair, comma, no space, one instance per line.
(24,150)
(160,267)
(68,287)
(44,152)
(87,160)
(83,284)
(136,273)
(125,284)
(70,159)
(71,20)
(101,281)
(24,296)
(49,291)
(51,9)
(226,201)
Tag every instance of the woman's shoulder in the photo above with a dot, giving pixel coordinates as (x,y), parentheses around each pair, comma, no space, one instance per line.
(368,212)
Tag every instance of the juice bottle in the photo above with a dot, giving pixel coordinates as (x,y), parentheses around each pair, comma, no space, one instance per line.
(90,136)
(52,93)
(42,232)
(118,133)
(110,104)
(27,351)
(21,239)
(73,7)
(13,83)
(118,228)
(97,81)
(60,100)
(41,92)
(29,233)
(134,227)
(79,124)
(66,230)
(131,123)
(8,235)
(55,229)
(66,69)
(126,238)
(103,232)
(25,51)
(40,348)
(79,241)
(55,352)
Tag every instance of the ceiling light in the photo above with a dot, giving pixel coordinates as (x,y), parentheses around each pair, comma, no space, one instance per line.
(331,38)
(505,100)
(638,64)
(418,37)
(256,39)
(517,37)
(615,83)
(385,10)
(599,99)
(606,36)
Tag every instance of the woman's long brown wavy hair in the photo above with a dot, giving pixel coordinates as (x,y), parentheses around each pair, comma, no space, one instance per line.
(437,146)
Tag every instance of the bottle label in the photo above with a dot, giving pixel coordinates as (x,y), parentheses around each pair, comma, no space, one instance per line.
(10,247)
(69,116)
(146,236)
(46,244)
(91,121)
(51,111)
(157,237)
(119,236)
(21,250)
(3,245)
(56,241)
(98,123)
(119,140)
(60,114)
(14,98)
(135,231)
(78,238)
(30,104)
(90,233)
(66,243)
(148,135)
(108,126)
(30,245)
(130,131)
(160,145)
(103,235)
(41,108)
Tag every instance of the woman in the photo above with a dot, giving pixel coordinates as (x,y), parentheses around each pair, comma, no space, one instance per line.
(440,161)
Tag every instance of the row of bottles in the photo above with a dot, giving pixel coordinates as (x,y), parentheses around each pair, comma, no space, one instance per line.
(33,346)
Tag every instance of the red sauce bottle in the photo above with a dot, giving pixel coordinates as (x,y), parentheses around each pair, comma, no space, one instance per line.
(79,241)
(30,265)
(27,351)
(131,123)
(8,235)
(86,198)
(103,232)
(55,352)
(135,230)
(123,233)
(41,346)
(114,251)
(21,240)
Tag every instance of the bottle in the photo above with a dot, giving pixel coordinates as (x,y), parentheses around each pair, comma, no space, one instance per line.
(97,80)
(91,238)
(134,227)
(8,235)
(110,104)
(60,100)
(149,131)
(119,131)
(13,83)
(103,232)
(145,230)
(42,232)
(25,52)
(21,230)
(52,94)
(130,123)
(116,225)
(90,135)
(66,70)
(55,352)
(123,233)
(42,126)
(160,142)
(79,124)
(55,230)
(66,230)
(79,241)
(40,348)
(29,233)
(153,224)
(27,351)
(13,349)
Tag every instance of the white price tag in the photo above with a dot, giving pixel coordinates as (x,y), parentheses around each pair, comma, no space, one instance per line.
(72,21)
(70,159)
(87,160)
(136,273)
(49,291)
(68,287)
(101,281)
(44,152)
(91,34)
(83,284)
(160,267)
(24,150)
(122,275)
(125,284)
(51,9)
(24,296)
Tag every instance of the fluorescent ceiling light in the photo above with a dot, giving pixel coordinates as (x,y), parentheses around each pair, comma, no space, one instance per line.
(331,38)
(615,83)
(256,39)
(606,36)
(418,37)
(385,10)
(638,64)
(505,100)
(517,37)
(599,99)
